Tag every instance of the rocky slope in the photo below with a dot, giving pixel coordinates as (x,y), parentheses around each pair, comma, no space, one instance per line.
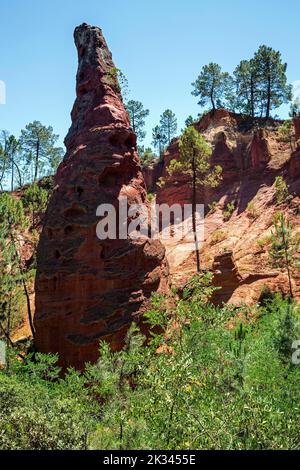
(251,154)
(89,289)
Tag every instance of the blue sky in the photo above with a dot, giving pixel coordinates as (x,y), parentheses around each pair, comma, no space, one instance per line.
(159,45)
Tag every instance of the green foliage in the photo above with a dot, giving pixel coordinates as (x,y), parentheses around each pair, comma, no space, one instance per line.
(212,85)
(168,124)
(116,78)
(11,214)
(252,212)
(228,211)
(39,411)
(218,236)
(282,194)
(201,384)
(258,85)
(147,156)
(10,157)
(150,197)
(194,161)
(190,121)
(284,249)
(38,146)
(35,199)
(207,377)
(137,115)
(159,139)
(194,150)
(264,241)
(246,97)
(286,133)
(213,207)
(272,80)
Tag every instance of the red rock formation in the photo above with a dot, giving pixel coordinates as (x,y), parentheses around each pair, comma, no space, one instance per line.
(151,174)
(89,289)
(226,275)
(294,165)
(223,156)
(259,149)
(297,128)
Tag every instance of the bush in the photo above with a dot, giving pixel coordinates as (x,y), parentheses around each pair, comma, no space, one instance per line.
(207,378)
(264,241)
(282,194)
(41,414)
(201,384)
(150,197)
(212,207)
(218,236)
(252,211)
(35,199)
(229,210)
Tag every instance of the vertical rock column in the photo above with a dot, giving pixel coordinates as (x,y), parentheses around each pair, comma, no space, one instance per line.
(89,289)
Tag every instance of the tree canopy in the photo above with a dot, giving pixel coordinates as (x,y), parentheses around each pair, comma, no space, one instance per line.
(137,115)
(257,87)
(168,125)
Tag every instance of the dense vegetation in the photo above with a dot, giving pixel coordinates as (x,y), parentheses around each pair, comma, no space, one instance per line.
(208,378)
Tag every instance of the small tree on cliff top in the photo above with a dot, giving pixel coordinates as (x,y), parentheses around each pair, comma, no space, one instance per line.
(194,161)
(272,80)
(212,86)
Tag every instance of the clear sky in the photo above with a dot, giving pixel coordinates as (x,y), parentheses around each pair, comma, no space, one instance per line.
(159,45)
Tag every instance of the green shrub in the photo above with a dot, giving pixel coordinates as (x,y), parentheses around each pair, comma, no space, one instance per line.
(35,199)
(252,212)
(218,236)
(264,241)
(150,197)
(212,207)
(207,378)
(282,194)
(40,414)
(228,211)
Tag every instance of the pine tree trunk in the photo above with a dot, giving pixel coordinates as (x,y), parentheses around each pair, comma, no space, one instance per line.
(252,97)
(36,163)
(194,216)
(12,174)
(269,98)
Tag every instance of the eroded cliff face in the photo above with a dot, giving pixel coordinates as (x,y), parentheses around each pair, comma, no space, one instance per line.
(89,289)
(251,154)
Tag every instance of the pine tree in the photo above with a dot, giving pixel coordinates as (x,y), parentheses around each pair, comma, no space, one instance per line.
(246,96)
(137,115)
(272,80)
(38,144)
(11,155)
(168,124)
(194,161)
(284,251)
(159,139)
(212,86)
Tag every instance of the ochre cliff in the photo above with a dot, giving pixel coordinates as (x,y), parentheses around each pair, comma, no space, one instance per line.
(251,154)
(89,289)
